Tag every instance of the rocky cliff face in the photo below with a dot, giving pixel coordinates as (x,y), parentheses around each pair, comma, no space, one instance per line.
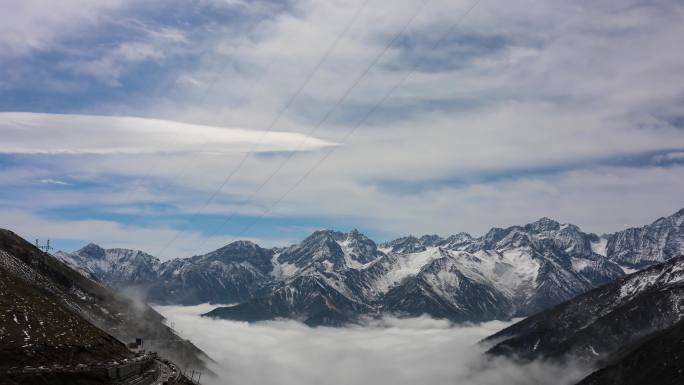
(643,246)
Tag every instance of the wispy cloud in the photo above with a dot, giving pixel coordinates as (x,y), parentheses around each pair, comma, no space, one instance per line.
(32,25)
(89,134)
(54,182)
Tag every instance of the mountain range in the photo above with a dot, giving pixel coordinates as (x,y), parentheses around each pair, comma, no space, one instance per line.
(333,278)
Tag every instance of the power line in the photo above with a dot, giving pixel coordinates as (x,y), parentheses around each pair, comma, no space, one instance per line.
(369,113)
(174,140)
(273,122)
(325,117)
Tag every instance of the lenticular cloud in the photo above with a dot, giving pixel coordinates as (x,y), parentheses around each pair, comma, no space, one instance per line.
(386,352)
(90,134)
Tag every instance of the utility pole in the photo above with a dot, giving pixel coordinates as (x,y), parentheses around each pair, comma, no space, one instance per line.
(45,248)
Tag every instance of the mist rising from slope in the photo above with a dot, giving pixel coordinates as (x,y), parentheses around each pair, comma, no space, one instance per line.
(388,352)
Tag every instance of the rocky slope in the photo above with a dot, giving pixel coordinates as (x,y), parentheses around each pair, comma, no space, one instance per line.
(37,329)
(337,277)
(119,315)
(658,360)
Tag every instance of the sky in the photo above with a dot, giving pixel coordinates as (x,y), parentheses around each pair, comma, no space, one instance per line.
(385,352)
(175,127)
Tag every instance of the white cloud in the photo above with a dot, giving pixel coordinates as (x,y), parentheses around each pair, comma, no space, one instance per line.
(112,63)
(54,181)
(669,157)
(396,352)
(479,136)
(543,99)
(30,25)
(568,90)
(33,133)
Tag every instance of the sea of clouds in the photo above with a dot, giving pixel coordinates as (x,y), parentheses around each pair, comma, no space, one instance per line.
(387,352)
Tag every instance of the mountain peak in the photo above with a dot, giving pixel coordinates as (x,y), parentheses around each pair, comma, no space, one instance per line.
(92,250)
(543,224)
(242,243)
(406,244)
(357,235)
(232,249)
(431,239)
(459,239)
(460,235)
(323,235)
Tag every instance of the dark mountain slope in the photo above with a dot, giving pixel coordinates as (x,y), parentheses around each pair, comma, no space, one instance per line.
(310,298)
(599,324)
(233,273)
(658,360)
(119,315)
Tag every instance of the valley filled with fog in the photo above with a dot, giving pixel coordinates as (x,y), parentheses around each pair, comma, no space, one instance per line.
(391,351)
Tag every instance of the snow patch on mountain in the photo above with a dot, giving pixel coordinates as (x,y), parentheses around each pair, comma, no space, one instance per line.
(282,270)
(406,266)
(348,251)
(599,247)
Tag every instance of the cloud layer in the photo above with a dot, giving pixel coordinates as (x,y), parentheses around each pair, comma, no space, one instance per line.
(392,352)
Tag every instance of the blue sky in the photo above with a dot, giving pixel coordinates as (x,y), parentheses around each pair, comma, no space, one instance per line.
(154,125)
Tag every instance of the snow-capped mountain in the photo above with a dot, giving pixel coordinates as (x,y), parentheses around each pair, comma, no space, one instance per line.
(636,248)
(114,266)
(233,273)
(334,277)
